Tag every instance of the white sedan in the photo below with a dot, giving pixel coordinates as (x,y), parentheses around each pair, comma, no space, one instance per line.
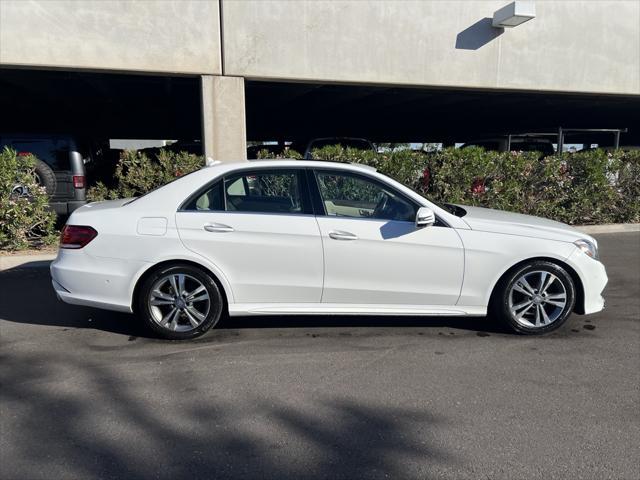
(301,237)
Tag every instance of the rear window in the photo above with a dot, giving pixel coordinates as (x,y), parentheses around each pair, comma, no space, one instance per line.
(54,152)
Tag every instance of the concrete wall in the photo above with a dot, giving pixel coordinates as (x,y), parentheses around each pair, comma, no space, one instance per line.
(588,46)
(572,45)
(149,35)
(224,131)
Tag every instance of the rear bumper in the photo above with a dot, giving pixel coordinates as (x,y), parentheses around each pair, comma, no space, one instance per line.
(81,279)
(65,208)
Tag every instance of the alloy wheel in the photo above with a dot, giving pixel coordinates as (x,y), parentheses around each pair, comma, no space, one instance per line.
(179,302)
(537,299)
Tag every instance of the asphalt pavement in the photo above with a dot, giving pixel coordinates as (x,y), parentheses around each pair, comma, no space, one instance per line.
(87,394)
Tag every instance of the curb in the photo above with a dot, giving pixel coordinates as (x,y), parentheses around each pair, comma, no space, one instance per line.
(609,228)
(26,261)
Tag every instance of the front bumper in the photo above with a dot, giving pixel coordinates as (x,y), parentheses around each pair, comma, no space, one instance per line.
(594,279)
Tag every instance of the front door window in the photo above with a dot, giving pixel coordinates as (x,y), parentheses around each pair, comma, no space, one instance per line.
(346,195)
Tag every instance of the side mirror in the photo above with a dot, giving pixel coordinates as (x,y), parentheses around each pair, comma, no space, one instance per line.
(425,217)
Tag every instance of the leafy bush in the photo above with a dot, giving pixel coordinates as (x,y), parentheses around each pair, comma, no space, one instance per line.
(287,153)
(27,220)
(580,188)
(137,173)
(628,184)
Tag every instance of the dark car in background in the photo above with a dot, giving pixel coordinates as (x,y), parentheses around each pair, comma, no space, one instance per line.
(59,169)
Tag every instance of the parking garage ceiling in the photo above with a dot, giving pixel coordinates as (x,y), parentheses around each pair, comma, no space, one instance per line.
(163,107)
(400,114)
(99,105)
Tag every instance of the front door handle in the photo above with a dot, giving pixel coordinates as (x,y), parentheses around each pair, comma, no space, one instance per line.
(218,227)
(342,235)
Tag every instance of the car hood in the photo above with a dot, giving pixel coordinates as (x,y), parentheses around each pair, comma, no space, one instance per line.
(498,221)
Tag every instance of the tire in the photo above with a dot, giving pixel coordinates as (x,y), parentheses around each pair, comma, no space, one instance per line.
(535,298)
(175,317)
(45,177)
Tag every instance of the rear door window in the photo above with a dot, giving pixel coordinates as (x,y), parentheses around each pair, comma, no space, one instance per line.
(209,200)
(265,191)
(261,191)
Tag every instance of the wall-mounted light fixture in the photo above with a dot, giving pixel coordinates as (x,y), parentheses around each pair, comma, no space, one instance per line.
(514,14)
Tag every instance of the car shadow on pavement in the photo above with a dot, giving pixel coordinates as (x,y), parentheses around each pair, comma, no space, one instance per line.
(474,324)
(28,297)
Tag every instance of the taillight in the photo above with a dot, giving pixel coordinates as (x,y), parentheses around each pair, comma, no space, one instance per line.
(78,181)
(76,236)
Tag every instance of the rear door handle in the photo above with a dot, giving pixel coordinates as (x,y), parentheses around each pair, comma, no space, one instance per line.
(341,235)
(218,227)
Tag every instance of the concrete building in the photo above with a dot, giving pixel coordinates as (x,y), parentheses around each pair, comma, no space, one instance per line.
(274,69)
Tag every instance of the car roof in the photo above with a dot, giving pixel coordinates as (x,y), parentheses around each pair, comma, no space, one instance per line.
(224,167)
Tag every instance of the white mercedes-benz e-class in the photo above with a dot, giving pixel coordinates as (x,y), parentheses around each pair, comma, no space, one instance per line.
(303,237)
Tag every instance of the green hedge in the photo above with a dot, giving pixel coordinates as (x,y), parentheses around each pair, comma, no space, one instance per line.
(25,217)
(138,173)
(580,188)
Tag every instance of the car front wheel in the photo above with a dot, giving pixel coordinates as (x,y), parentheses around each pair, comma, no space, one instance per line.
(534,299)
(180,302)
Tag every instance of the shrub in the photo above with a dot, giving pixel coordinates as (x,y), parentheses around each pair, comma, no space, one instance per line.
(27,220)
(285,154)
(580,188)
(627,179)
(137,173)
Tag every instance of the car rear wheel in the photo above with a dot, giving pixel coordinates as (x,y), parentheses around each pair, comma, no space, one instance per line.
(180,302)
(534,299)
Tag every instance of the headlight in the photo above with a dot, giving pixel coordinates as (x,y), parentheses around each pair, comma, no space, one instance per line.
(588,247)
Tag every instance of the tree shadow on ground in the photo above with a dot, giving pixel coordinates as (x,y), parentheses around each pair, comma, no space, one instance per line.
(68,417)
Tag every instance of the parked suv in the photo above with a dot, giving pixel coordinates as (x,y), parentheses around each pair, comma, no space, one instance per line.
(59,168)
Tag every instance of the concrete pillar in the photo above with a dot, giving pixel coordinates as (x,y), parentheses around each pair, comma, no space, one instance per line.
(224,133)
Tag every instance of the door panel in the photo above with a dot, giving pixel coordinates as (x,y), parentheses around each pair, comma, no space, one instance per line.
(266,258)
(370,261)
(257,228)
(374,254)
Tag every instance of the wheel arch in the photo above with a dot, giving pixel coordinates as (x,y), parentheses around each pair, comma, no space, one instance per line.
(226,295)
(577,281)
